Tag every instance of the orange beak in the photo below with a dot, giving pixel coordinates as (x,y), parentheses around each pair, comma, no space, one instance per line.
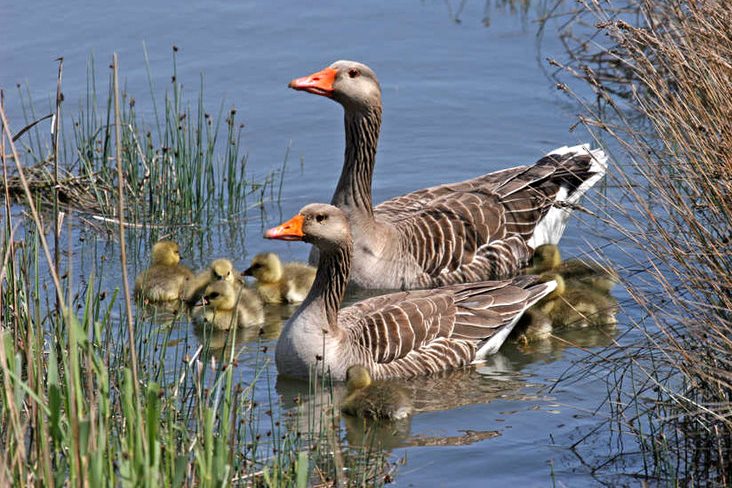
(288,231)
(320,83)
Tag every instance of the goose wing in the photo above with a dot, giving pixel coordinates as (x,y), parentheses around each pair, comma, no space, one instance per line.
(480,228)
(412,333)
(388,327)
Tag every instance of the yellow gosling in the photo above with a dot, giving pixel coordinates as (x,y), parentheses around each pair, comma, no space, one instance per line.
(226,307)
(548,258)
(278,283)
(165,279)
(378,400)
(576,304)
(218,270)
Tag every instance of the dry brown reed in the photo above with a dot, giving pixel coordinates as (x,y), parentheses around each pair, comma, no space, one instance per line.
(660,74)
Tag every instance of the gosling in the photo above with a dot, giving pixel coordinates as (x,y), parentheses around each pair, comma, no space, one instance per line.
(533,326)
(379,401)
(576,304)
(220,269)
(548,258)
(226,307)
(278,283)
(165,279)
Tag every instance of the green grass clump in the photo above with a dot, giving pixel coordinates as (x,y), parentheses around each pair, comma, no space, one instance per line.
(186,167)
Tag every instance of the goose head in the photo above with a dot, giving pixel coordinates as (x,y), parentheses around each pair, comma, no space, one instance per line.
(166,253)
(222,269)
(357,378)
(320,224)
(220,295)
(266,268)
(546,257)
(354,85)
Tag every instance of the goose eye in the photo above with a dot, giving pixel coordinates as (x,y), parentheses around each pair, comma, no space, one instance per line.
(320,218)
(213,295)
(354,73)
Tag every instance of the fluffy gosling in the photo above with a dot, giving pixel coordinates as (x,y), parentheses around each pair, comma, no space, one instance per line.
(165,279)
(226,307)
(278,283)
(576,304)
(379,401)
(547,258)
(219,270)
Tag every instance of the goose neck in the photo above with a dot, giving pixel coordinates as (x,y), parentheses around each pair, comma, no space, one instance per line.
(331,280)
(353,193)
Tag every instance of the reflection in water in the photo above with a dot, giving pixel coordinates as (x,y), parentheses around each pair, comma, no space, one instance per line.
(311,405)
(163,313)
(274,317)
(552,348)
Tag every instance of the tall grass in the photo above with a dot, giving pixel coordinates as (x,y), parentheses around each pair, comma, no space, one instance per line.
(86,401)
(658,84)
(185,168)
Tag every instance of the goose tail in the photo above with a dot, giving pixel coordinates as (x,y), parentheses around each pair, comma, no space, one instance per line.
(579,168)
(536,292)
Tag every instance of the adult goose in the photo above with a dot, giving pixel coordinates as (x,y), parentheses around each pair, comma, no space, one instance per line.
(401,334)
(478,229)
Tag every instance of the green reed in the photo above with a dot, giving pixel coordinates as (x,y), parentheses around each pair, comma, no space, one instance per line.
(71,412)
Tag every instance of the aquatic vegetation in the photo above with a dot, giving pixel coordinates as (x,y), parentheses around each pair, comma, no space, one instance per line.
(661,92)
(185,168)
(86,401)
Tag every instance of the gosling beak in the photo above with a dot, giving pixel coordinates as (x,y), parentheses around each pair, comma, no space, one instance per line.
(205,302)
(288,231)
(248,271)
(320,83)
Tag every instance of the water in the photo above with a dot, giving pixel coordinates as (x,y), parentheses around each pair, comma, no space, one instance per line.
(460,99)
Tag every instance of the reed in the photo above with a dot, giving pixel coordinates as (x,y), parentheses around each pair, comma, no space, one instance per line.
(657,85)
(92,393)
(186,168)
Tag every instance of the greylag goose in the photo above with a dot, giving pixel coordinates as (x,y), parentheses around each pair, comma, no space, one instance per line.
(218,270)
(401,334)
(548,258)
(226,306)
(278,283)
(576,304)
(377,401)
(165,279)
(478,229)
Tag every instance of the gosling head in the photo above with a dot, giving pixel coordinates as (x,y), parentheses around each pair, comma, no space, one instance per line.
(547,257)
(320,224)
(352,84)
(357,377)
(222,270)
(266,268)
(220,295)
(166,253)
